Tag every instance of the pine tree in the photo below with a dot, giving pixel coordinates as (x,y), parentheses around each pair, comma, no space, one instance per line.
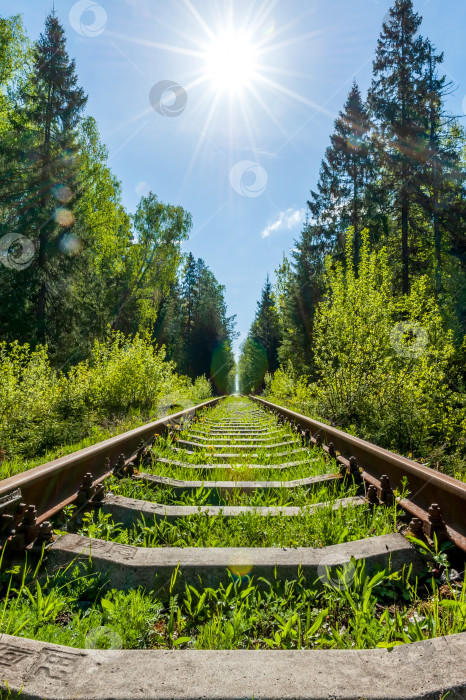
(443,177)
(53,104)
(260,350)
(398,98)
(266,327)
(341,197)
(194,326)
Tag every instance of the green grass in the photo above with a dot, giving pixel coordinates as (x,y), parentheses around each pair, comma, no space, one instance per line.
(360,612)
(7,694)
(97,433)
(382,610)
(319,529)
(242,472)
(167,495)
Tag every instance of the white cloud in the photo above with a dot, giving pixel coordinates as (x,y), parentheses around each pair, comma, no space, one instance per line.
(285,221)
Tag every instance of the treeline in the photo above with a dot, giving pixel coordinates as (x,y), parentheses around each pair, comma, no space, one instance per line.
(74,263)
(260,351)
(371,306)
(194,326)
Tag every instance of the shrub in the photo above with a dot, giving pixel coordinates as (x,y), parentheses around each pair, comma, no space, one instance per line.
(41,408)
(382,360)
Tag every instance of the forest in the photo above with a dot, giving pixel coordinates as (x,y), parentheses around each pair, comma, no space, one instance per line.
(104,321)
(365,326)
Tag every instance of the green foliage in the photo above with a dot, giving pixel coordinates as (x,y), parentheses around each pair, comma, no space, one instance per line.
(259,352)
(291,388)
(152,261)
(382,361)
(41,408)
(349,609)
(194,326)
(126,373)
(13,50)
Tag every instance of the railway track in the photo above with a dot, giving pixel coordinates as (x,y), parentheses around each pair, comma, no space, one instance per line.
(242,490)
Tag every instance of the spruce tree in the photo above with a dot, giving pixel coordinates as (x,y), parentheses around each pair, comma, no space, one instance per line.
(304,288)
(398,98)
(194,326)
(443,177)
(341,197)
(189,293)
(265,332)
(53,104)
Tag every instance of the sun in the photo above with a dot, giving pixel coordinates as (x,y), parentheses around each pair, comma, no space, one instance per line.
(231,62)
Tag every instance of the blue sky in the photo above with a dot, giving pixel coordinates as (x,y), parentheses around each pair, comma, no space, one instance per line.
(243,160)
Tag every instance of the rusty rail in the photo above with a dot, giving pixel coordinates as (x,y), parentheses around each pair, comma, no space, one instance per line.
(48,488)
(436,501)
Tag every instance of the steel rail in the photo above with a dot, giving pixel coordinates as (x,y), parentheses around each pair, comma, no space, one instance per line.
(437,500)
(51,486)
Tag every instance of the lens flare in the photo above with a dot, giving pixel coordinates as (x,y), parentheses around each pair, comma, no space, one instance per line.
(241,567)
(70,245)
(270,31)
(64,217)
(62,193)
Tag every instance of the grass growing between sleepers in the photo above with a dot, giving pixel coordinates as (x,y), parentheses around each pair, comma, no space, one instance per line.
(346,609)
(300,496)
(320,528)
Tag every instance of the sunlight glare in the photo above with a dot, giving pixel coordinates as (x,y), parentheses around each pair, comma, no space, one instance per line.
(231,62)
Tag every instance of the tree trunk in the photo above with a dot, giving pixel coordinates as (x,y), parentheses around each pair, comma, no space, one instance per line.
(356,222)
(43,235)
(437,234)
(404,239)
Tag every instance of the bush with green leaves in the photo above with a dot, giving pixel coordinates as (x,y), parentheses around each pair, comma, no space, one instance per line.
(41,408)
(382,360)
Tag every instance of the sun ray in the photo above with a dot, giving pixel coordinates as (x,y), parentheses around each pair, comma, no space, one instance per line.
(121,126)
(157,45)
(262,14)
(268,111)
(248,122)
(200,140)
(290,42)
(296,96)
(262,68)
(200,19)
